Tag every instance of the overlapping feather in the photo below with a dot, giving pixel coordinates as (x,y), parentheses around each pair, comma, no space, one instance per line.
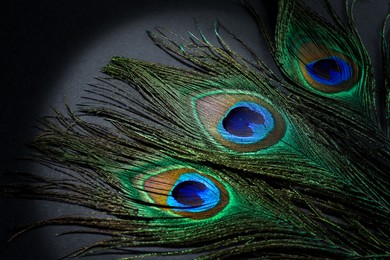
(313,184)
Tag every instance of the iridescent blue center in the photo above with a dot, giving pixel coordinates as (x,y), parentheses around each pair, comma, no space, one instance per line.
(329,71)
(193,192)
(239,119)
(246,123)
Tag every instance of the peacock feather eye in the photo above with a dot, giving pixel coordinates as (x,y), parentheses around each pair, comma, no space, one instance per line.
(325,69)
(330,71)
(246,123)
(187,192)
(240,122)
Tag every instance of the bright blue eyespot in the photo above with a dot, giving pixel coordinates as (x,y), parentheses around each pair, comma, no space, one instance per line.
(187,192)
(238,120)
(246,123)
(329,71)
(193,192)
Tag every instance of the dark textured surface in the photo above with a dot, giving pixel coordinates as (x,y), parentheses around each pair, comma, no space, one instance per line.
(51,49)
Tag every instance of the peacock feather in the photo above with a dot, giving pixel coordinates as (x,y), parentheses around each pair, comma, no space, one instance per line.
(228,158)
